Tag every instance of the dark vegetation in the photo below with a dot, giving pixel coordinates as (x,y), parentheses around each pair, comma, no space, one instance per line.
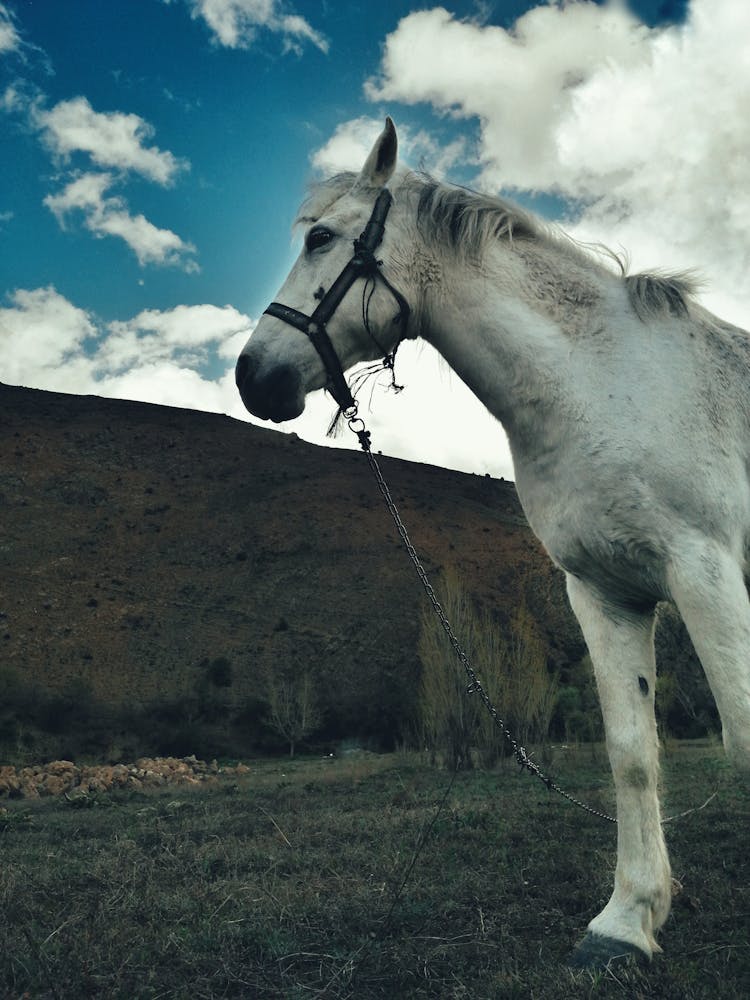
(296,707)
(282,884)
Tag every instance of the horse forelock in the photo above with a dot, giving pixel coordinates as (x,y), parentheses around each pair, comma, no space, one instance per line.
(323,194)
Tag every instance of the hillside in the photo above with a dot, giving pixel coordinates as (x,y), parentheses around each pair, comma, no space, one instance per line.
(141,542)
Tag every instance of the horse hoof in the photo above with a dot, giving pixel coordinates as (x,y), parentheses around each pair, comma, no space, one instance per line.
(599,952)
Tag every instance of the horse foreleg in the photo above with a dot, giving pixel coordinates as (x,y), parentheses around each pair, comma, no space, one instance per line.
(621,645)
(707,585)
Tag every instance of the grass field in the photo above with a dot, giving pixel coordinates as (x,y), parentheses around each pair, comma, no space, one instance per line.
(282,885)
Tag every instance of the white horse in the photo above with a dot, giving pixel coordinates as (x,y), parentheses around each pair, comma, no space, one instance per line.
(627,409)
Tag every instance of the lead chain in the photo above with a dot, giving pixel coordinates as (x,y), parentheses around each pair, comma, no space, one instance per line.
(357,426)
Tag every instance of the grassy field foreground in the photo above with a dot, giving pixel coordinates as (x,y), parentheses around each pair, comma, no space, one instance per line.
(281,884)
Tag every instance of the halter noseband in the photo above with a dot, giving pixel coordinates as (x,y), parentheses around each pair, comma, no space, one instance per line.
(363,264)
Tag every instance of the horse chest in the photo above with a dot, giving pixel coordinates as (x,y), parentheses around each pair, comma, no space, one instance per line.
(616,545)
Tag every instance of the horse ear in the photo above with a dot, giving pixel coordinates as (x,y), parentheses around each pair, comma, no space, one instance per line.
(381,162)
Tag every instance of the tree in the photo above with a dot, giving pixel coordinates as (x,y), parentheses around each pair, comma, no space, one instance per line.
(293,705)
(448,717)
(514,666)
(511,665)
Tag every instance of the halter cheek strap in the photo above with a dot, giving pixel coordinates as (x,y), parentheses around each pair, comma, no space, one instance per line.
(362,264)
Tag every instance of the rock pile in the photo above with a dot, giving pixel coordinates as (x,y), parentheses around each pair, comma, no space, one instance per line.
(64,777)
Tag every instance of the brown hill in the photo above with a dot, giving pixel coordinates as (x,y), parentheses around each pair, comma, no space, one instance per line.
(141,543)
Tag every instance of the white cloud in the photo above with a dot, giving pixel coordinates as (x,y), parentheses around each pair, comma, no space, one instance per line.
(186,331)
(158,356)
(348,147)
(12,100)
(10,40)
(150,244)
(41,340)
(109,216)
(112,139)
(352,140)
(645,128)
(519,83)
(86,194)
(189,326)
(168,384)
(235,23)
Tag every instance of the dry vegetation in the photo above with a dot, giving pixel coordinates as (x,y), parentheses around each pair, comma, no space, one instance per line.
(511,664)
(282,884)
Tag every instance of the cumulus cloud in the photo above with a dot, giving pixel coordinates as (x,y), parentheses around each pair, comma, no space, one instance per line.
(155,336)
(235,23)
(108,215)
(40,331)
(111,138)
(645,130)
(85,193)
(159,356)
(352,140)
(170,384)
(518,82)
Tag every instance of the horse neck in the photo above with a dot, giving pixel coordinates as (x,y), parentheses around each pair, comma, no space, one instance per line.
(504,325)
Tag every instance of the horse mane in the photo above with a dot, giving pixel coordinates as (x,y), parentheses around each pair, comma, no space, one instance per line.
(656,294)
(470,222)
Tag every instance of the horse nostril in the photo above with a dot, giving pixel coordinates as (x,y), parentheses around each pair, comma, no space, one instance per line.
(241,370)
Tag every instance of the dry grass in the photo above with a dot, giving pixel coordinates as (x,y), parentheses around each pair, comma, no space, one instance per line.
(282,885)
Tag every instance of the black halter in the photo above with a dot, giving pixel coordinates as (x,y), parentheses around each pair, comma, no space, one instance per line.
(363,264)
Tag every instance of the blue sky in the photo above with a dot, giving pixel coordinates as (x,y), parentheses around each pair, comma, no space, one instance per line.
(154,153)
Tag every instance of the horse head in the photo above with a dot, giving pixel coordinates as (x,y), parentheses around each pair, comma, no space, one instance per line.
(338,305)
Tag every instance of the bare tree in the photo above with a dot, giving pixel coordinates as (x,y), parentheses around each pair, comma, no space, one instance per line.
(293,706)
(448,717)
(515,675)
(511,664)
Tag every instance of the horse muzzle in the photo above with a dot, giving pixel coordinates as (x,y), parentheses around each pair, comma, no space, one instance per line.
(275,394)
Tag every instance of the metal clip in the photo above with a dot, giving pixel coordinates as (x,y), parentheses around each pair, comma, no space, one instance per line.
(357,426)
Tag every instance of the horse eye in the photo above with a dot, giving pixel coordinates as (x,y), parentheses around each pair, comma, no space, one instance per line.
(318,238)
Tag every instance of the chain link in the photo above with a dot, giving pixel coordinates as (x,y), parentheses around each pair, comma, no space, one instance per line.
(357,426)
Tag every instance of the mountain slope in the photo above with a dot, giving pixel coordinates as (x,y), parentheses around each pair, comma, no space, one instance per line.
(140,541)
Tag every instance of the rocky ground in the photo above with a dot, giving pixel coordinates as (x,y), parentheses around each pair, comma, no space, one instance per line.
(63,777)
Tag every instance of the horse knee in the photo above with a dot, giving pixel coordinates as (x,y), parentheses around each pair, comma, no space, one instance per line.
(634,765)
